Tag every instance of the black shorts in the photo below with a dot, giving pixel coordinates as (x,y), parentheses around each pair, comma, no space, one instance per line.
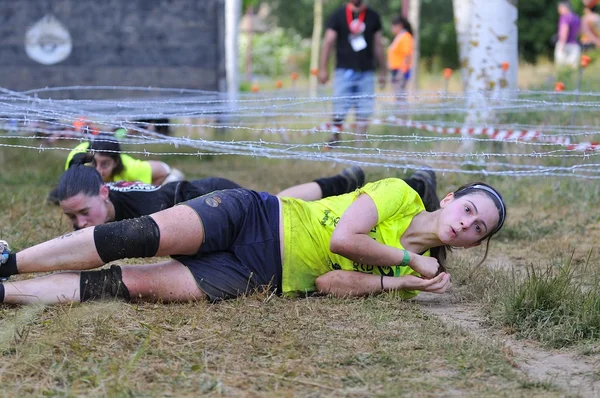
(241,249)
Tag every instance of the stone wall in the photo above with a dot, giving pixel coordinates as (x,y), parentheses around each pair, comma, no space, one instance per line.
(157,43)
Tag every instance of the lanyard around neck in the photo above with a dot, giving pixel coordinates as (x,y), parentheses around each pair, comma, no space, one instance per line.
(350,18)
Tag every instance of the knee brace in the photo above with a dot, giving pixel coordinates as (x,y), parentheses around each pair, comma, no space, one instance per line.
(137,237)
(103,284)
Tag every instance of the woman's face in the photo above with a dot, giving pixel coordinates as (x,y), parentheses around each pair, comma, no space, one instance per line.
(84,210)
(465,221)
(105,165)
(562,10)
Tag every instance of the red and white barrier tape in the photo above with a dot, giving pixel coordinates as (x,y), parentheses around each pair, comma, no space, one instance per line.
(492,133)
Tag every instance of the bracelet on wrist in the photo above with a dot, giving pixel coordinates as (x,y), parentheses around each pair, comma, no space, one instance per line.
(404,263)
(406,259)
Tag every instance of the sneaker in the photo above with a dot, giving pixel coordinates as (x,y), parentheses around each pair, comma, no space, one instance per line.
(354,177)
(4,251)
(429,194)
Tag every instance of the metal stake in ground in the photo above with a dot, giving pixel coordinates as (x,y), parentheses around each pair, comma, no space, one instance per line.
(447,76)
(585,61)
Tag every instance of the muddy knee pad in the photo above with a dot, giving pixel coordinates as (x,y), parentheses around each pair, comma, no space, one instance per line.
(137,237)
(103,284)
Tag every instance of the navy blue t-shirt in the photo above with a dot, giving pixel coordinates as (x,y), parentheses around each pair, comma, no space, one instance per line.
(346,57)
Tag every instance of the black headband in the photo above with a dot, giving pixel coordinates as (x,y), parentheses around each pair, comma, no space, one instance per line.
(495,195)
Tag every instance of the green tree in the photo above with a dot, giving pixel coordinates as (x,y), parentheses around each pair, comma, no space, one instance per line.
(537,24)
(438,36)
(297,15)
(249,3)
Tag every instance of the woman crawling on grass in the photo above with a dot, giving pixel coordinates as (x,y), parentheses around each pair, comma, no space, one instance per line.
(232,242)
(104,153)
(88,201)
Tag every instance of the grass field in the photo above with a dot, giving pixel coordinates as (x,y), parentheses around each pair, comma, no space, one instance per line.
(540,285)
(278,347)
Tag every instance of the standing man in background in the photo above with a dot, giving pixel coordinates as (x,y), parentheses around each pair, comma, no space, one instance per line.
(355,31)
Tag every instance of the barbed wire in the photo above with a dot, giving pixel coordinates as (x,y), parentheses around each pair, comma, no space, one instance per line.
(528,124)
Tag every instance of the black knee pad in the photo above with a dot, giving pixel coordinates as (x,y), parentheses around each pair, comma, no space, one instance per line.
(103,284)
(137,237)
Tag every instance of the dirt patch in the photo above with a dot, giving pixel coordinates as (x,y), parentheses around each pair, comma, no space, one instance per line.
(567,370)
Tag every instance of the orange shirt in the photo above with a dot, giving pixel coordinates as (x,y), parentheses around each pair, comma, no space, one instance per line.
(401,47)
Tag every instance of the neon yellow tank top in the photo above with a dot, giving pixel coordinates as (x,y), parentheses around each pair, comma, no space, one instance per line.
(133,169)
(308,227)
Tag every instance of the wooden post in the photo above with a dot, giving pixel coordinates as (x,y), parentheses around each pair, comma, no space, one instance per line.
(250,15)
(414,16)
(315,47)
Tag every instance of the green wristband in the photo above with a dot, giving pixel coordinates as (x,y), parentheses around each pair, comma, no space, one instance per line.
(404,263)
(406,259)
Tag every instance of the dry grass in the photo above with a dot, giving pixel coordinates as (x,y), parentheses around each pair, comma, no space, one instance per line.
(255,346)
(252,347)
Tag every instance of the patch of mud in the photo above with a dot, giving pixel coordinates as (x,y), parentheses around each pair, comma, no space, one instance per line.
(572,373)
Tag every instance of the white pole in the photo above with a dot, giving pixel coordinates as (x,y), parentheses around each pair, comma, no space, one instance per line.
(314,48)
(462,23)
(233,9)
(414,17)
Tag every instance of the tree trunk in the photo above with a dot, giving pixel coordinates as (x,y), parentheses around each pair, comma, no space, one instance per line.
(487,41)
(315,48)
(492,45)
(462,25)
(414,17)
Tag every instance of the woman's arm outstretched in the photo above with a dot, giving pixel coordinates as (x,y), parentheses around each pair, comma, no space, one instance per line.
(351,283)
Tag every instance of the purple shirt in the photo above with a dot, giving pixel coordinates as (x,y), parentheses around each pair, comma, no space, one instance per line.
(572,21)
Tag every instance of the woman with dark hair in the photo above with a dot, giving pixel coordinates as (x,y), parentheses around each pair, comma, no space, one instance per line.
(88,201)
(104,153)
(232,242)
(400,55)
